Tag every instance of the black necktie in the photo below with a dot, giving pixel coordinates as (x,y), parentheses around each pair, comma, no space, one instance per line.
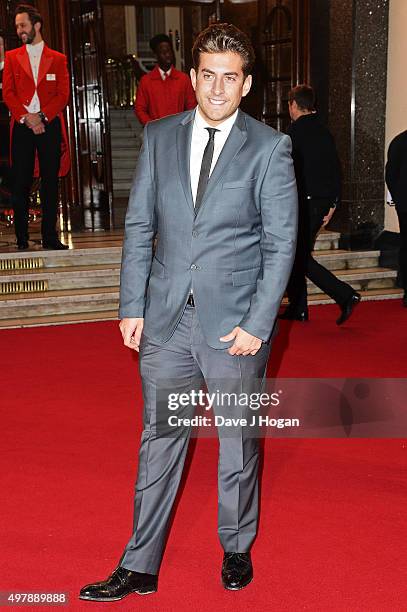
(205,168)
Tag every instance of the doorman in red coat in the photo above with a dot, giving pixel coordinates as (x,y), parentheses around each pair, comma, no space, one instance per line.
(165,90)
(36,91)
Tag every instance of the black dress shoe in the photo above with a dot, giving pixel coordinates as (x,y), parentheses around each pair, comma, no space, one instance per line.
(22,245)
(347,308)
(121,583)
(237,571)
(405,300)
(293,315)
(54,245)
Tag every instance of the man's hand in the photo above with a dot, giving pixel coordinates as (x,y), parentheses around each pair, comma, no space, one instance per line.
(38,129)
(32,119)
(328,217)
(244,343)
(131,331)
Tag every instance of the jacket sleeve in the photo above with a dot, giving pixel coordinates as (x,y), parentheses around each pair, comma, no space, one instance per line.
(393,170)
(58,103)
(10,97)
(140,228)
(190,99)
(279,214)
(141,103)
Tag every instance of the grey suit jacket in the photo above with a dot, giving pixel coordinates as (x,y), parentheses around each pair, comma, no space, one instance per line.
(236,253)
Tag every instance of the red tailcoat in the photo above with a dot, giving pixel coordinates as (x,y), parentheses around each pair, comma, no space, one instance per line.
(52,91)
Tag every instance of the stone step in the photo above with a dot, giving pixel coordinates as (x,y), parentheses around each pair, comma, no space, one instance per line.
(368,296)
(125,143)
(66,301)
(342,260)
(61,319)
(327,241)
(333,260)
(125,153)
(36,258)
(119,163)
(106,314)
(53,278)
(362,279)
(124,130)
(122,186)
(121,193)
(122,174)
(28,282)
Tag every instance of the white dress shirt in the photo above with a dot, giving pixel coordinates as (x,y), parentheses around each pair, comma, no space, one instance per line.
(199,140)
(164,75)
(34,53)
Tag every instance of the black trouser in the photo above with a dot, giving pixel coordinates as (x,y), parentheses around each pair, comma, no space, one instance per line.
(23,147)
(402,215)
(311,215)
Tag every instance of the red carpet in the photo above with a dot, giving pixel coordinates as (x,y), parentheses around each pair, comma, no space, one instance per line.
(333,515)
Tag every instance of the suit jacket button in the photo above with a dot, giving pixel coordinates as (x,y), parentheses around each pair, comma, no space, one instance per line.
(195,234)
(194,267)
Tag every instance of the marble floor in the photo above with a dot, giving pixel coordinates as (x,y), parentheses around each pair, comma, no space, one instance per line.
(75,240)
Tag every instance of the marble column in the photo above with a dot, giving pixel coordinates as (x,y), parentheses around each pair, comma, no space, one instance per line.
(356,110)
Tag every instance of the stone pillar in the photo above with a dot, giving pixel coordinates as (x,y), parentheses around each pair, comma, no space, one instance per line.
(357,110)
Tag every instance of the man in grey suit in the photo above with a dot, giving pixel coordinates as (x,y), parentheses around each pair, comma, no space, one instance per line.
(217,188)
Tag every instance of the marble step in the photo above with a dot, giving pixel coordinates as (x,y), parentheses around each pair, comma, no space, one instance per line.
(327,240)
(119,163)
(368,296)
(36,258)
(61,319)
(51,279)
(122,185)
(120,122)
(339,259)
(108,275)
(125,154)
(122,174)
(105,314)
(332,259)
(121,193)
(124,130)
(362,279)
(66,301)
(123,142)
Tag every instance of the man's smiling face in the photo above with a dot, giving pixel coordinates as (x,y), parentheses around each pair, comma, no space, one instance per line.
(219,85)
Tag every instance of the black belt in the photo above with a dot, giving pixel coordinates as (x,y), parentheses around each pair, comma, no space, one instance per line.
(191,301)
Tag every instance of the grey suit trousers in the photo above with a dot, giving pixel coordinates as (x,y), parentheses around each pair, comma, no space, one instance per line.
(188,360)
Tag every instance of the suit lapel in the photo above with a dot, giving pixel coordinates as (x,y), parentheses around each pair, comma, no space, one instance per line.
(45,63)
(232,146)
(184,135)
(25,61)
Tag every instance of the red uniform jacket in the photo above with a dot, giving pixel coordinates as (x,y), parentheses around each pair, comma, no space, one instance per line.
(52,90)
(156,98)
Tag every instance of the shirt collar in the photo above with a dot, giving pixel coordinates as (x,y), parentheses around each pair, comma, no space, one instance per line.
(225,126)
(35,49)
(162,72)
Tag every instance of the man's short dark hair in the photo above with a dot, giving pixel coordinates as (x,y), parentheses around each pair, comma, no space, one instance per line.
(33,14)
(157,40)
(223,37)
(304,96)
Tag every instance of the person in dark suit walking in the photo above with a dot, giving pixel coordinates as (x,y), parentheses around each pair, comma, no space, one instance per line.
(396,180)
(218,189)
(318,175)
(36,91)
